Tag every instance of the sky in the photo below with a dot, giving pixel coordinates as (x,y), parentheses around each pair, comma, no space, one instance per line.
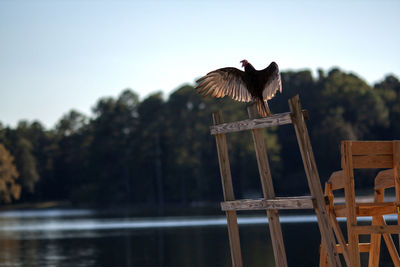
(56,56)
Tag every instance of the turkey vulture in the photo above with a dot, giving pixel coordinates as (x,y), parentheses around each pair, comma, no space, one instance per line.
(248,85)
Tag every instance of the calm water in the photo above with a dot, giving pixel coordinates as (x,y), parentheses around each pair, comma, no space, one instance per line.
(68,238)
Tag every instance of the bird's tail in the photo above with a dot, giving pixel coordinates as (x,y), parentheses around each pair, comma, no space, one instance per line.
(262,108)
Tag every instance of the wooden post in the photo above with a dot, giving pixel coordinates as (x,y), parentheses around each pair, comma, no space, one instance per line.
(322,257)
(314,183)
(227,187)
(349,191)
(396,174)
(268,191)
(374,251)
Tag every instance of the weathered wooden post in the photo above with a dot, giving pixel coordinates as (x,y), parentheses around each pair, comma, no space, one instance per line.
(227,187)
(268,191)
(314,182)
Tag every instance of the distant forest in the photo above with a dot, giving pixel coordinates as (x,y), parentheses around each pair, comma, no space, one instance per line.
(159,151)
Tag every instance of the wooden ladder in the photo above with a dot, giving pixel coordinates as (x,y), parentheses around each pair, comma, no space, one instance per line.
(270,203)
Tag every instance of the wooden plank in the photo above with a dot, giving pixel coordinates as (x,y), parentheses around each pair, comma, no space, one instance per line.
(227,187)
(323,262)
(376,229)
(337,180)
(268,192)
(392,249)
(256,123)
(339,236)
(234,238)
(375,249)
(329,196)
(372,147)
(363,247)
(396,176)
(384,179)
(374,209)
(379,220)
(368,209)
(372,161)
(349,191)
(223,159)
(265,204)
(328,239)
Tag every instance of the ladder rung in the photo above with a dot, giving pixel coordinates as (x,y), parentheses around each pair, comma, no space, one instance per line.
(230,127)
(278,203)
(249,124)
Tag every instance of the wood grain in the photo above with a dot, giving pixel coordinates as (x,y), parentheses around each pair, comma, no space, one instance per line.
(365,154)
(340,237)
(237,126)
(268,191)
(396,176)
(372,161)
(368,209)
(337,180)
(371,147)
(314,183)
(285,203)
(227,187)
(374,252)
(349,192)
(384,179)
(377,229)
(363,247)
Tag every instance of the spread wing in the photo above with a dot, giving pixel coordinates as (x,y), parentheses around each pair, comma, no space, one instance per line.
(225,82)
(271,78)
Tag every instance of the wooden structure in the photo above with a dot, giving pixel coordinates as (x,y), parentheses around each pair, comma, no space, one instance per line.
(362,155)
(270,203)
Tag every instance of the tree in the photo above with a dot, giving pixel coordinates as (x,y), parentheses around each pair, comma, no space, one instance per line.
(67,152)
(344,107)
(358,103)
(110,133)
(389,90)
(41,147)
(150,154)
(71,123)
(22,142)
(26,164)
(160,150)
(9,189)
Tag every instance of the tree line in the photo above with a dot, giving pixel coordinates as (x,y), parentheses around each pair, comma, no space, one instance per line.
(159,150)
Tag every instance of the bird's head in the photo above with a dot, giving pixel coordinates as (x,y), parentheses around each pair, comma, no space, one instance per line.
(244,63)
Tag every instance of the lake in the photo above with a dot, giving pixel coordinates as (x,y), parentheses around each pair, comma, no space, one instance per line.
(69,237)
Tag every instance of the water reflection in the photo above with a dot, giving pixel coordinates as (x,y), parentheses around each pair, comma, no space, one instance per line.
(46,213)
(81,238)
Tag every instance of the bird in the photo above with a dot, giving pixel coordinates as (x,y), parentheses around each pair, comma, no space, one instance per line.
(245,86)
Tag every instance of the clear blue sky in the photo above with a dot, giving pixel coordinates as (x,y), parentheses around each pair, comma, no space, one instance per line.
(61,55)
